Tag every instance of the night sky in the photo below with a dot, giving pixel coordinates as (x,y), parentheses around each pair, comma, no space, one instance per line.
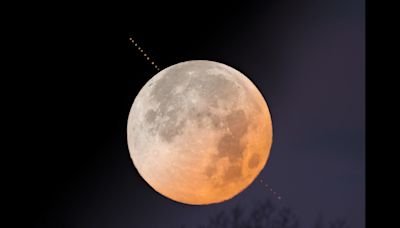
(305,56)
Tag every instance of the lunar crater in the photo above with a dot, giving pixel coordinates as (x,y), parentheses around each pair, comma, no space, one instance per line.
(254,161)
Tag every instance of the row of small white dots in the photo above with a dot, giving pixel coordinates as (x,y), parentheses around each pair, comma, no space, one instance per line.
(144,53)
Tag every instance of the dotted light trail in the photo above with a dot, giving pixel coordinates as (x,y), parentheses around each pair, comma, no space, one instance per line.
(152,62)
(144,54)
(274,193)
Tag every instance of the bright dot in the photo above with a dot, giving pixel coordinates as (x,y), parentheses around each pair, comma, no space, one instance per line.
(148,58)
(135,44)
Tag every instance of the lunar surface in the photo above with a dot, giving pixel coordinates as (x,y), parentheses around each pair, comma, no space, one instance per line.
(199,132)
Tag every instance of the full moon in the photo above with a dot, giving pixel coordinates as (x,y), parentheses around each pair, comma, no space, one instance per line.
(199,132)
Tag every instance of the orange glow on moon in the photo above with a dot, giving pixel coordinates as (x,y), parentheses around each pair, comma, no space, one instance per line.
(199,132)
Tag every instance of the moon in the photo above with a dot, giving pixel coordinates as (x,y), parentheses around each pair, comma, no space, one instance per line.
(199,132)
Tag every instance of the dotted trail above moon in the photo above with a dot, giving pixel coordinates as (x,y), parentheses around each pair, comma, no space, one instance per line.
(199,132)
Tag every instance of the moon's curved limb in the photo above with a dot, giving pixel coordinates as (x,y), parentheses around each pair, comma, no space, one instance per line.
(199,132)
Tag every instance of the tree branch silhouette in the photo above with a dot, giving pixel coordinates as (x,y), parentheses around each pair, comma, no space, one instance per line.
(264,215)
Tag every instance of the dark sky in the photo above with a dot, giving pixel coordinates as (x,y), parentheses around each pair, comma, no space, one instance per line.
(306,57)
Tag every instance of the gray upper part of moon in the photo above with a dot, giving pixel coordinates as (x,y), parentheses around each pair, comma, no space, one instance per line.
(199,132)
